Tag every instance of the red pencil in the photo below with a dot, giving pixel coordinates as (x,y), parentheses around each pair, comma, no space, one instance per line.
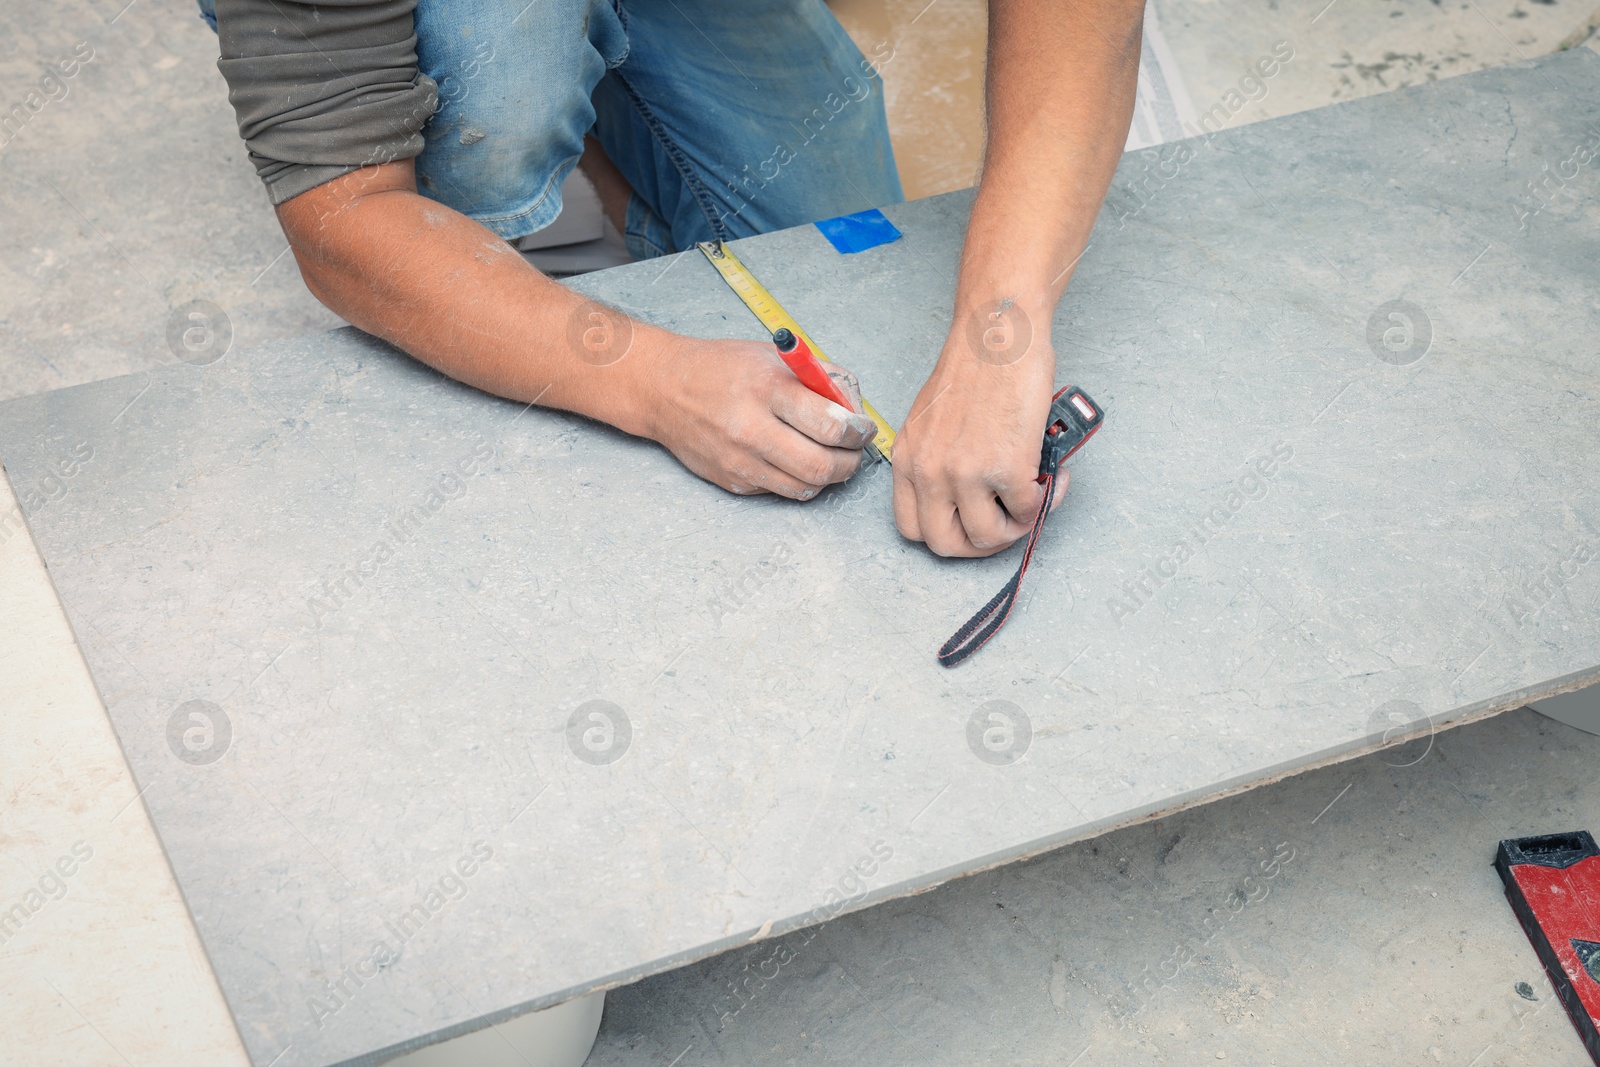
(808,368)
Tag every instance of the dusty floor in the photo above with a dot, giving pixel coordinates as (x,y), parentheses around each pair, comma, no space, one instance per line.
(1345,916)
(1380,935)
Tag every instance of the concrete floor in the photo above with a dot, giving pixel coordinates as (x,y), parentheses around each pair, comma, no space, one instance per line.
(128,197)
(1381,935)
(1347,915)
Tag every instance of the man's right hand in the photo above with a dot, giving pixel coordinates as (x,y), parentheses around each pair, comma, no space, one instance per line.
(736,416)
(453,295)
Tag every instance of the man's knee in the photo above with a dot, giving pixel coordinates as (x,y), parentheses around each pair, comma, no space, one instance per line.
(514,102)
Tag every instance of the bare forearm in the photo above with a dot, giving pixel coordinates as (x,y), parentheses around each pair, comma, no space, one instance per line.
(455,296)
(458,298)
(1062,76)
(1061,83)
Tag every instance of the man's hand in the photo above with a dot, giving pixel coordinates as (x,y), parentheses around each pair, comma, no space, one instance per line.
(966,462)
(736,416)
(461,300)
(1061,80)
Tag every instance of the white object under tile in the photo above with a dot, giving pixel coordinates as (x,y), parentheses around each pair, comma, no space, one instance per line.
(555,1037)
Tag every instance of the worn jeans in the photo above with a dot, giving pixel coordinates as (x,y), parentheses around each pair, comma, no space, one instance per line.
(727,117)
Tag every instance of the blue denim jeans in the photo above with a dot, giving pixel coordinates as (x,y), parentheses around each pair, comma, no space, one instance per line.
(727,117)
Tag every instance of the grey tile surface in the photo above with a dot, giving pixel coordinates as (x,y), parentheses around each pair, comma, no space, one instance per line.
(1424,536)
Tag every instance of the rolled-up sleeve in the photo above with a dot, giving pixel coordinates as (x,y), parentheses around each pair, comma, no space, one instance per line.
(322,89)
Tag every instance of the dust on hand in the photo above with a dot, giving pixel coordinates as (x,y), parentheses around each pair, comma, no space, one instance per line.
(851,387)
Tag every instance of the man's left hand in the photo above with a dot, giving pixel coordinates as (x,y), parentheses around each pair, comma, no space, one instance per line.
(966,462)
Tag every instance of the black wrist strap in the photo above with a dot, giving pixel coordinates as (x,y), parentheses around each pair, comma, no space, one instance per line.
(1073,420)
(993,615)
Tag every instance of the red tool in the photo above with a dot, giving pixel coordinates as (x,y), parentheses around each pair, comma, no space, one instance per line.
(1553,883)
(808,368)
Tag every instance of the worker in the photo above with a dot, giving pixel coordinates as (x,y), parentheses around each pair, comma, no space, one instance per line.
(406,145)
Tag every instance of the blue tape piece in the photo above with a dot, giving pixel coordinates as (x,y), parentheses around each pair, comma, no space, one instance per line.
(859,232)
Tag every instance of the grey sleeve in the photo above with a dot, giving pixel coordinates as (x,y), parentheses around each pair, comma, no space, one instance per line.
(322,89)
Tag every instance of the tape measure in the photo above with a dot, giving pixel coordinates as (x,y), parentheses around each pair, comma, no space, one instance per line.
(774,317)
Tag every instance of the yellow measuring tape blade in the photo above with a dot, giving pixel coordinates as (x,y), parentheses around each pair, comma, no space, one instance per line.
(772,316)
